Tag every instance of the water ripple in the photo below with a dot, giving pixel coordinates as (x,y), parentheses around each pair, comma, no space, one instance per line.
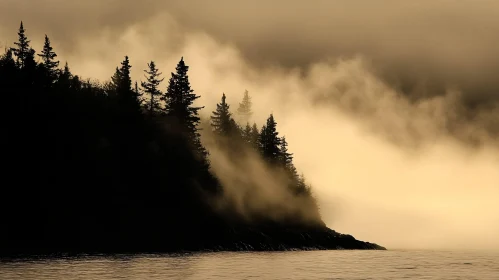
(273,265)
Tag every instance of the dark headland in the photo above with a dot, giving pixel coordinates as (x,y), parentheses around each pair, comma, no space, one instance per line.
(120,167)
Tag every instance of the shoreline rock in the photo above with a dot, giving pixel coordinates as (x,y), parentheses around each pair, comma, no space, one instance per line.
(242,239)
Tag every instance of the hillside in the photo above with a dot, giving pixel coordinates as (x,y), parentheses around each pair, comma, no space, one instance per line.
(120,167)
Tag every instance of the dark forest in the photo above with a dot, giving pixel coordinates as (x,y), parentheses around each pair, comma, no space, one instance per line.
(119,166)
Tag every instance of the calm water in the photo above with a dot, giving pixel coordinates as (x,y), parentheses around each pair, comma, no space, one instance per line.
(286,265)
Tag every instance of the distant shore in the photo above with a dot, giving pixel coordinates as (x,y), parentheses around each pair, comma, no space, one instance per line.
(230,239)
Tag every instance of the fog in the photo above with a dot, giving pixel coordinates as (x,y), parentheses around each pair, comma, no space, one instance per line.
(252,189)
(373,96)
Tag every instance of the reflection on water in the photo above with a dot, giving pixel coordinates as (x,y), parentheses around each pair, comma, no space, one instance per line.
(280,265)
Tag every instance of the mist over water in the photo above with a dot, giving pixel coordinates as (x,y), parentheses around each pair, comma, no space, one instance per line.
(385,168)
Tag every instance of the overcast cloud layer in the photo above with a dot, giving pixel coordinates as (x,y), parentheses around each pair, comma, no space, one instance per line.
(440,43)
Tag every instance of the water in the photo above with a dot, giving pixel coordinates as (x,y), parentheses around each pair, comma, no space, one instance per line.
(282,265)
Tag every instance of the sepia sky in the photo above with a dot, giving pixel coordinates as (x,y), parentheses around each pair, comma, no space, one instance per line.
(441,43)
(394,95)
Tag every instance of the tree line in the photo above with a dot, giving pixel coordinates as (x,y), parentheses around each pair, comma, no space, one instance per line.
(118,156)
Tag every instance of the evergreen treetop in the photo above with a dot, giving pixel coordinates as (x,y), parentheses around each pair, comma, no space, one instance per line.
(179,99)
(255,136)
(151,87)
(122,79)
(221,119)
(246,133)
(121,84)
(48,59)
(65,76)
(23,49)
(286,160)
(245,107)
(270,141)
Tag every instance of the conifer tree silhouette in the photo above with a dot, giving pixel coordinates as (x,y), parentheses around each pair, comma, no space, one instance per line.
(244,110)
(128,99)
(255,136)
(286,158)
(221,119)
(48,61)
(246,133)
(23,51)
(270,141)
(151,88)
(179,99)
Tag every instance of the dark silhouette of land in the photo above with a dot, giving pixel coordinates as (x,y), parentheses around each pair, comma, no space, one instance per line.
(120,168)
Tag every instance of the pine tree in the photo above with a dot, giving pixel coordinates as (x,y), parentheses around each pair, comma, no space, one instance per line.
(121,84)
(121,79)
(115,80)
(66,72)
(244,111)
(64,79)
(254,137)
(286,162)
(221,119)
(246,133)
(179,99)
(23,51)
(270,141)
(235,130)
(150,87)
(251,135)
(48,58)
(285,157)
(301,187)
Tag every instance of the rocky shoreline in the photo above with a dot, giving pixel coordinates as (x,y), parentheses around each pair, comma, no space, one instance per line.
(286,239)
(234,239)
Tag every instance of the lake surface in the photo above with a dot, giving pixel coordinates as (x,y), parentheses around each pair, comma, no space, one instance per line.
(281,265)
